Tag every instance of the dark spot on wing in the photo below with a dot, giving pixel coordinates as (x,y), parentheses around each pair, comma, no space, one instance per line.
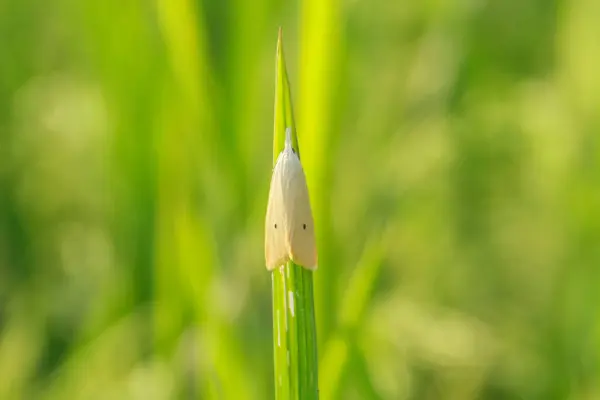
(304,226)
(275,226)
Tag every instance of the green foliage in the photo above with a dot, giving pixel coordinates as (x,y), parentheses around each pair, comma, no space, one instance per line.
(452,156)
(294,332)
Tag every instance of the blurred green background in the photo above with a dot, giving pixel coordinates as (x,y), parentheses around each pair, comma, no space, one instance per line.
(453,158)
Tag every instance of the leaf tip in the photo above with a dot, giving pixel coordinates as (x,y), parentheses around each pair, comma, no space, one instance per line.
(279,41)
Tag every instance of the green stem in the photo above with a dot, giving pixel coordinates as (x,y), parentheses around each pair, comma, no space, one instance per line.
(294,333)
(294,330)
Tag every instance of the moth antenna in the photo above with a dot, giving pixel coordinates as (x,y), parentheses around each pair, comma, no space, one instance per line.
(288,138)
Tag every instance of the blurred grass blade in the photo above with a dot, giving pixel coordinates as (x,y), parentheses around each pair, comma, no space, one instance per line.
(321,47)
(294,333)
(186,255)
(358,293)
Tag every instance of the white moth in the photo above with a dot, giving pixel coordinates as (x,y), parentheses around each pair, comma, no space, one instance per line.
(289,228)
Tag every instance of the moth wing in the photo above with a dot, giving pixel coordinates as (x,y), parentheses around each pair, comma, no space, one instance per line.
(300,229)
(276,252)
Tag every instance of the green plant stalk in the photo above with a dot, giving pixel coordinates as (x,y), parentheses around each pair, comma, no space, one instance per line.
(294,330)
